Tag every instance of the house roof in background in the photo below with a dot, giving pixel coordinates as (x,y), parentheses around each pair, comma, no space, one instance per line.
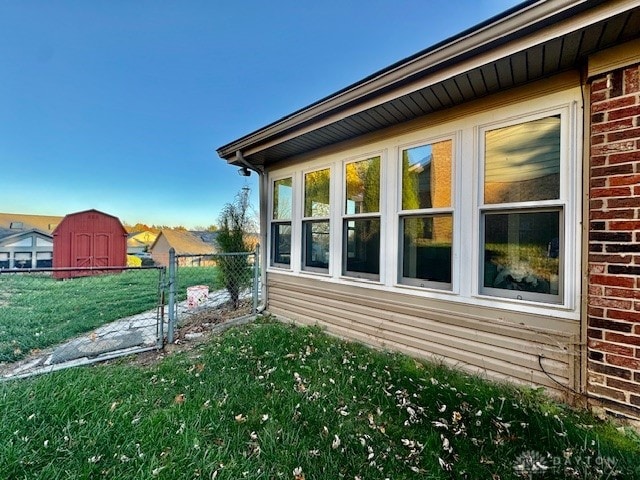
(532,41)
(45,223)
(8,233)
(188,243)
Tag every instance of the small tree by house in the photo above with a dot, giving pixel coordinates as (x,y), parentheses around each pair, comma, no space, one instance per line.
(234,222)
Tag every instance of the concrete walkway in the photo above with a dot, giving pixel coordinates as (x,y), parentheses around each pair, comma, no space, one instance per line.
(133,334)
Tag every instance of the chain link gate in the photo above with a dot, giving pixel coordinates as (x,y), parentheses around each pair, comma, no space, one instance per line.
(199,283)
(47,324)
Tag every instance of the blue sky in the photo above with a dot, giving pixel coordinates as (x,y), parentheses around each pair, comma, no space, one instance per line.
(120,105)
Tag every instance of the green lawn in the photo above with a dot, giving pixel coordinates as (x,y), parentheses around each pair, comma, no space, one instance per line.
(271,401)
(37,311)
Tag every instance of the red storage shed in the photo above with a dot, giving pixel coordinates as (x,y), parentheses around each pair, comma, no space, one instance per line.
(88,239)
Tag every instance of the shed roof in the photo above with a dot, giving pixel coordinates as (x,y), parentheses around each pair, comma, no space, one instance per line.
(534,40)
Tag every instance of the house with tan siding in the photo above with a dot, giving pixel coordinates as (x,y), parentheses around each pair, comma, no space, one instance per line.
(477,202)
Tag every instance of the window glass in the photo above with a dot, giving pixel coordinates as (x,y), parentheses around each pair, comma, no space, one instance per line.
(363,186)
(4,259)
(523,251)
(44,259)
(362,241)
(316,193)
(426,253)
(426,176)
(316,245)
(22,260)
(282,199)
(522,162)
(281,243)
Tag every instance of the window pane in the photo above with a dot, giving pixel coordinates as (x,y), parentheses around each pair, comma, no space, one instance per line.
(363,186)
(316,193)
(426,176)
(522,251)
(427,248)
(522,162)
(44,259)
(363,246)
(316,244)
(282,195)
(281,243)
(22,260)
(4,259)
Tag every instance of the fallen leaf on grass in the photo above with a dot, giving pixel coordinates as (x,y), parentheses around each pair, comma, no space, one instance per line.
(179,399)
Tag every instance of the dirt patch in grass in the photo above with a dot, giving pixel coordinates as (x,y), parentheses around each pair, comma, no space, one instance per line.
(194,329)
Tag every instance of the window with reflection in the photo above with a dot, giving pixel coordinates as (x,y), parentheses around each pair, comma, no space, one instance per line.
(4,259)
(426,220)
(282,196)
(315,222)
(522,217)
(361,219)
(44,259)
(22,260)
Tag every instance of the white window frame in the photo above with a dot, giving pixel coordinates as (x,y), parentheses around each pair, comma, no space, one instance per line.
(273,222)
(305,220)
(566,204)
(428,212)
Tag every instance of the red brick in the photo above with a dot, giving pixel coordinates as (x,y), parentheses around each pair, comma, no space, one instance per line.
(625,362)
(612,214)
(598,85)
(612,126)
(596,204)
(632,80)
(597,139)
(611,348)
(595,311)
(622,385)
(623,202)
(607,392)
(613,281)
(611,303)
(598,161)
(596,290)
(624,179)
(610,192)
(617,259)
(595,322)
(609,370)
(594,333)
(613,148)
(620,338)
(613,104)
(635,399)
(626,225)
(622,292)
(609,171)
(625,157)
(598,182)
(623,315)
(621,113)
(636,330)
(596,268)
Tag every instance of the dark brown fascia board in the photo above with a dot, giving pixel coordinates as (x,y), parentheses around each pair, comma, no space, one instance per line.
(511,24)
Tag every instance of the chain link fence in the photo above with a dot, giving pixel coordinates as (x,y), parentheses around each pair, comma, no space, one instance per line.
(212,287)
(46,321)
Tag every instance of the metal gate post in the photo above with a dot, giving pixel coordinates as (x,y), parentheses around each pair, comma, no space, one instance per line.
(256,267)
(172,296)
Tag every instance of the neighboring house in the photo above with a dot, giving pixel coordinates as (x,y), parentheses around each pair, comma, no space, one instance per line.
(19,221)
(25,248)
(140,242)
(88,240)
(26,241)
(476,202)
(197,245)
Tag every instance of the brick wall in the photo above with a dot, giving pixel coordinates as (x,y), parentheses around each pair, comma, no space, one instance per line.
(614,243)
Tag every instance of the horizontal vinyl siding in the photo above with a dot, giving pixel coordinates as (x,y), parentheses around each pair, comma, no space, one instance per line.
(416,326)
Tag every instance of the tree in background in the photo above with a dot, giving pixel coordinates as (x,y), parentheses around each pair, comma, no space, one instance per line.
(235,221)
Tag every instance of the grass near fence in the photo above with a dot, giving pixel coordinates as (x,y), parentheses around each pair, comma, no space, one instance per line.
(37,311)
(272,401)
